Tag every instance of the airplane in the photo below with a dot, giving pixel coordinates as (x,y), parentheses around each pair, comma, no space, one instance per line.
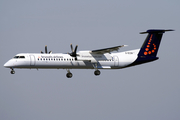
(92,59)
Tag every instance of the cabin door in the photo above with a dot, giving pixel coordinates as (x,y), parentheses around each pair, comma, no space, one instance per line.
(32,60)
(116,60)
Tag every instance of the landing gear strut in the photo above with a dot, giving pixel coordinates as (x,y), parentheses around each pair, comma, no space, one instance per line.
(69,74)
(12,71)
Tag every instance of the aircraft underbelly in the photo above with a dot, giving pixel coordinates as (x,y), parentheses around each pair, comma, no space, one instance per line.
(67,64)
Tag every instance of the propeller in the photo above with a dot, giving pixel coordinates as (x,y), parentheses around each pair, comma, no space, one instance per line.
(46,52)
(73,53)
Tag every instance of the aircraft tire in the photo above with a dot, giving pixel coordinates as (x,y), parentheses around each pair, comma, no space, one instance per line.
(69,75)
(97,72)
(12,72)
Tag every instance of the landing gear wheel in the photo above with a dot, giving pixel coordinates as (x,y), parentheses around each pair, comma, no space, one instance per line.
(69,75)
(12,72)
(97,72)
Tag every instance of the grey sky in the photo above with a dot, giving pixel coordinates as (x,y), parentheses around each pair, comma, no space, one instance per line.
(145,92)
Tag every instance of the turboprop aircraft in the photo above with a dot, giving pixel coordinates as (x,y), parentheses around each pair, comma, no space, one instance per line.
(93,59)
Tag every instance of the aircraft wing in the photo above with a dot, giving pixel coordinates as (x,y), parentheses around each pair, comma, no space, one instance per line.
(107,50)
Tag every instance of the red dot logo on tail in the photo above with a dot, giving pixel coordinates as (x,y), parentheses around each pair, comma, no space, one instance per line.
(147,49)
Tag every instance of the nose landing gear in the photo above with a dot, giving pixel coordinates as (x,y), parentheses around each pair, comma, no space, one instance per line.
(12,71)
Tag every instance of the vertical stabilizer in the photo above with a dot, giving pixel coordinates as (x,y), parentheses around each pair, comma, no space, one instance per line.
(150,47)
(151,43)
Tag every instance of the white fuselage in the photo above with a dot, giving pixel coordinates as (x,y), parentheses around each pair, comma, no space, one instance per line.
(95,59)
(85,60)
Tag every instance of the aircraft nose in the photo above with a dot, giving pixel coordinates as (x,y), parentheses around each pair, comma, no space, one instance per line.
(7,65)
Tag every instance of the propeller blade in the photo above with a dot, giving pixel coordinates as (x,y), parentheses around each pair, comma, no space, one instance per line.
(75,49)
(72,48)
(73,53)
(46,49)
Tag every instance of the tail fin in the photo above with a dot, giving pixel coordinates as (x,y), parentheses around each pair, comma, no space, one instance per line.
(150,47)
(152,42)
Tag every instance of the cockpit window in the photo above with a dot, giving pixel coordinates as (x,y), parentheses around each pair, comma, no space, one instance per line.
(21,56)
(16,57)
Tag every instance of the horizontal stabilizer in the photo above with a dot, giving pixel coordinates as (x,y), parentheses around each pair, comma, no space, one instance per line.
(156,31)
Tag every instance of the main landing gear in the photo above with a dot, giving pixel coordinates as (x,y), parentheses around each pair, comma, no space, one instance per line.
(12,71)
(69,74)
(97,72)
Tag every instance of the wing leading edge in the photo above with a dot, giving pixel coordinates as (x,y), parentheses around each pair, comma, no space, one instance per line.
(107,50)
